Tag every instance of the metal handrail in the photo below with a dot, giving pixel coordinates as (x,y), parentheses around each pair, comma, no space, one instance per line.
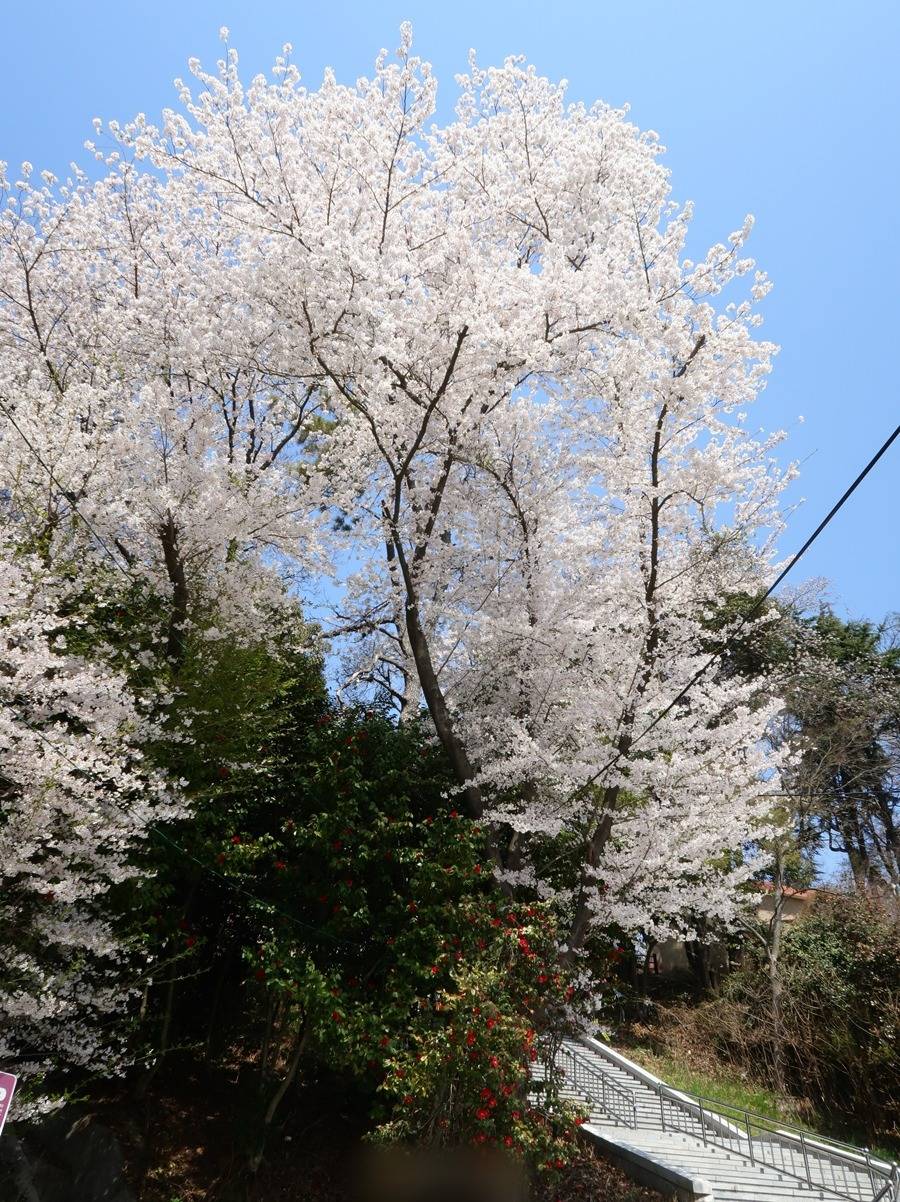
(892,1190)
(614,1098)
(819,1161)
(773,1143)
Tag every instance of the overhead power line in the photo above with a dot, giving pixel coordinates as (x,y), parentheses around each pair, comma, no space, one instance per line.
(751,613)
(698,675)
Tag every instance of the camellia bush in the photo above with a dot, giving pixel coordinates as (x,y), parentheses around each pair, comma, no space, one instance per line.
(378,936)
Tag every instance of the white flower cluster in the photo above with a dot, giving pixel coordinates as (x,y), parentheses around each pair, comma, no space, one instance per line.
(75,805)
(293,328)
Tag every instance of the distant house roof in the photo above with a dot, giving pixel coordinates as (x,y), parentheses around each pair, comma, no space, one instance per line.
(801,894)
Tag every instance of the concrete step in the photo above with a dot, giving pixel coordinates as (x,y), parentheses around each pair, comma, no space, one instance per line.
(725,1159)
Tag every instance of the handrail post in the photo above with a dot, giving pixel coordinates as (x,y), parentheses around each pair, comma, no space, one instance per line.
(869,1168)
(749,1136)
(662,1109)
(895,1182)
(702,1123)
(805,1157)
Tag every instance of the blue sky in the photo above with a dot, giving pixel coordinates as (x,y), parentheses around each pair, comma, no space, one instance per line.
(784,108)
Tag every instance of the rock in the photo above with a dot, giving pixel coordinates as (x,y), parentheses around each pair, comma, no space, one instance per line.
(69,1157)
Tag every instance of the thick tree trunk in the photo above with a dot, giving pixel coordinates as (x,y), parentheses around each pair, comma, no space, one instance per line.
(175,639)
(432,691)
(581,920)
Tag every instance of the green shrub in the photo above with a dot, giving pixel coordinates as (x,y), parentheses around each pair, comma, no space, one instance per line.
(841,1014)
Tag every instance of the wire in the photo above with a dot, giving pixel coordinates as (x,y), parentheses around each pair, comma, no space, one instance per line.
(751,613)
(611,763)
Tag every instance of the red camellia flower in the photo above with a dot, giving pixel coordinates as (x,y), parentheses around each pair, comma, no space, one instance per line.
(190,941)
(485,1094)
(482,1114)
(470,1037)
(280,864)
(494,1062)
(235,839)
(508,1140)
(335,1016)
(454,814)
(490,1023)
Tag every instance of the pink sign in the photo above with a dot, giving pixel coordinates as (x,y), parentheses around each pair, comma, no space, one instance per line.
(7,1088)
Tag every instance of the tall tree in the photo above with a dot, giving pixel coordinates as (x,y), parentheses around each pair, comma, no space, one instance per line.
(844,703)
(481,349)
(76,802)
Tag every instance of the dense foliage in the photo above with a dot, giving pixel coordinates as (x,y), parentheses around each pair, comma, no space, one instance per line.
(840,1014)
(78,799)
(328,902)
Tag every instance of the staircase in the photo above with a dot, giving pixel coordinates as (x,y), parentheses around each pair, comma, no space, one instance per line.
(704,1149)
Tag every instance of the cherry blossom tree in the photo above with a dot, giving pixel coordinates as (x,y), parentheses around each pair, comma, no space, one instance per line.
(479,349)
(76,802)
(137,431)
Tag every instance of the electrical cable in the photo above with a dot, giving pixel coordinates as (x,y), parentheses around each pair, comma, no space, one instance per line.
(751,613)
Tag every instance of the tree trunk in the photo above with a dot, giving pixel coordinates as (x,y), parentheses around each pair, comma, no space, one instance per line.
(279,1095)
(776,931)
(175,639)
(440,714)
